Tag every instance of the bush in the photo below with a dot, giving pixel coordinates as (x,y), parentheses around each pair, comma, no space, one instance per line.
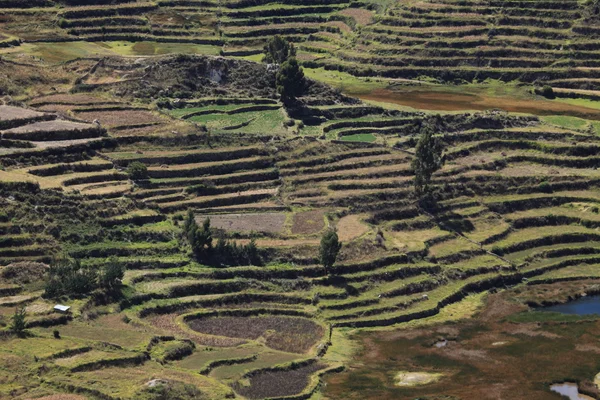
(137,171)
(330,247)
(19,322)
(56,334)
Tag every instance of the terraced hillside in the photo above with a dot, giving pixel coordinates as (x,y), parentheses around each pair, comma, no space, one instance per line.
(103,159)
(547,41)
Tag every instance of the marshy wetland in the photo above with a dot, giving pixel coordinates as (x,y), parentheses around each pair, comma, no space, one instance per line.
(506,350)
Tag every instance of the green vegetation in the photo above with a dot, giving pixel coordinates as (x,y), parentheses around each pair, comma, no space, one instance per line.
(137,170)
(428,157)
(290,80)
(222,227)
(278,50)
(19,322)
(330,247)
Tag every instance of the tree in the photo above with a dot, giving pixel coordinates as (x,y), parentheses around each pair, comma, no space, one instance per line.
(330,247)
(428,158)
(137,171)
(278,50)
(19,322)
(200,238)
(112,273)
(69,277)
(290,80)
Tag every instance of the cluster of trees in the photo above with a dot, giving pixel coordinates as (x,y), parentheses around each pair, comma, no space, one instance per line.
(290,79)
(69,277)
(225,252)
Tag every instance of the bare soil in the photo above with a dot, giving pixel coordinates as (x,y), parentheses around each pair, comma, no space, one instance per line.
(308,222)
(257,222)
(444,101)
(120,117)
(270,384)
(290,334)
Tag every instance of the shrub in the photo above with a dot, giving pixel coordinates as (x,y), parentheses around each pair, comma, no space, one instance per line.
(56,334)
(111,275)
(19,321)
(137,171)
(330,247)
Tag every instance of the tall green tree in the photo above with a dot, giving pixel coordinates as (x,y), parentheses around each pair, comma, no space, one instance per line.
(290,80)
(278,50)
(428,158)
(111,275)
(19,321)
(330,247)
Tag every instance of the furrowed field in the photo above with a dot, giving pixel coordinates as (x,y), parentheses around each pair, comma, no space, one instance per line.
(123,122)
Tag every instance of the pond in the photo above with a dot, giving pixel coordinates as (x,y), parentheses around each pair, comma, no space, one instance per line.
(583,306)
(569,390)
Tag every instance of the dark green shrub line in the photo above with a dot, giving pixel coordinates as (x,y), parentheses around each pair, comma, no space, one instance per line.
(227,179)
(233,298)
(135,220)
(65,134)
(380,123)
(222,101)
(151,38)
(115,362)
(124,251)
(125,9)
(501,235)
(113,176)
(240,110)
(299,30)
(221,202)
(73,153)
(546,241)
(68,387)
(331,158)
(279,12)
(304,18)
(69,353)
(253,3)
(10,291)
(15,123)
(425,23)
(102,21)
(342,167)
(63,169)
(246,312)
(227,361)
(394,172)
(349,305)
(513,135)
(376,310)
(555,253)
(226,167)
(457,257)
(550,200)
(48,321)
(553,220)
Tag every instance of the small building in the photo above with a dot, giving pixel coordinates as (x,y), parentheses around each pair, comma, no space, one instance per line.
(62,309)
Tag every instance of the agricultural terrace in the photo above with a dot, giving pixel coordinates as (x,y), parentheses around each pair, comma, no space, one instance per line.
(543,42)
(103,157)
